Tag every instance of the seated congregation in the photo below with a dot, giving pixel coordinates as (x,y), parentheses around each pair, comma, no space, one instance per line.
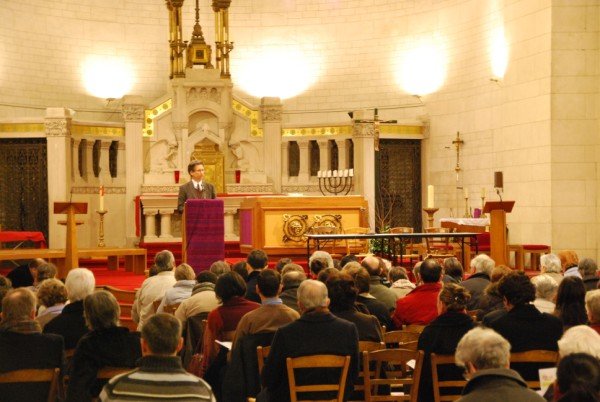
(347,330)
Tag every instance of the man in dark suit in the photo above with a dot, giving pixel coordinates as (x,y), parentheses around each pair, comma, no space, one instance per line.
(196,188)
(316,332)
(23,346)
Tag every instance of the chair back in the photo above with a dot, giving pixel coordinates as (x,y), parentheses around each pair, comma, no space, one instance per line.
(439,247)
(318,361)
(414,328)
(193,334)
(364,346)
(170,309)
(401,340)
(124,296)
(528,363)
(404,377)
(357,246)
(328,245)
(156,304)
(409,248)
(445,389)
(28,376)
(262,352)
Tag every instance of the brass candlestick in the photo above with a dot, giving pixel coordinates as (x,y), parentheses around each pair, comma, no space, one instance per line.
(467,212)
(101,228)
(430,212)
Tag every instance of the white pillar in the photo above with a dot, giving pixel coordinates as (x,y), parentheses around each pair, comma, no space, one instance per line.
(165,224)
(342,151)
(229,224)
(133,114)
(58,136)
(364,164)
(150,232)
(304,172)
(270,109)
(105,177)
(285,168)
(324,155)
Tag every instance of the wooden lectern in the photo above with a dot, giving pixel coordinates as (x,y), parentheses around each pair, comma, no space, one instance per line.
(71,253)
(497,211)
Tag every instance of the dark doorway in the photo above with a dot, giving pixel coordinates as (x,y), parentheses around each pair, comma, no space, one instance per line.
(398,185)
(24,185)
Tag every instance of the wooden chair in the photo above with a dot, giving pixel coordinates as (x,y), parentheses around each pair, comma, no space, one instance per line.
(414,328)
(411,250)
(401,339)
(358,247)
(170,309)
(364,346)
(452,387)
(438,247)
(156,305)
(106,373)
(24,376)
(535,359)
(405,377)
(122,296)
(262,352)
(318,361)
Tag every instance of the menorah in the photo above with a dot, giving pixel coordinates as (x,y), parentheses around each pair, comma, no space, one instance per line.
(336,181)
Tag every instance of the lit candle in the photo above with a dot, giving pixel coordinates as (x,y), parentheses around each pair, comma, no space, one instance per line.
(430,193)
(345,172)
(101,193)
(483,192)
(319,173)
(329,173)
(335,173)
(466,193)
(351,173)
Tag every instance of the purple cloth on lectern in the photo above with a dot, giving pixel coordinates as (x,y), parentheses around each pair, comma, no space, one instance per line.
(205,233)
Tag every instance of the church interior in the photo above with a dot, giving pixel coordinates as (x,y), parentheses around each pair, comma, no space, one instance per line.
(272,94)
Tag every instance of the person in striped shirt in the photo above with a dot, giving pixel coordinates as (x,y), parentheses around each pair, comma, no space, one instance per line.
(160,375)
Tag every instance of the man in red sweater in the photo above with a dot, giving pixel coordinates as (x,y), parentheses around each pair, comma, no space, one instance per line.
(420,305)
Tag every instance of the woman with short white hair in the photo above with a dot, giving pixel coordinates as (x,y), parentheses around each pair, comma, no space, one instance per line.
(70,323)
(551,265)
(545,293)
(579,339)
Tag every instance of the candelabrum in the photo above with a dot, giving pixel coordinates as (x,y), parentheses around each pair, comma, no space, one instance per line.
(101,228)
(336,183)
(430,212)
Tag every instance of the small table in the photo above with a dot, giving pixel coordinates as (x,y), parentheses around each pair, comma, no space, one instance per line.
(22,237)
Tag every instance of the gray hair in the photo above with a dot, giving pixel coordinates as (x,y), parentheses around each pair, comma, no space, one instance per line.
(579,339)
(592,304)
(292,267)
(184,272)
(219,268)
(162,332)
(292,278)
(483,263)
(101,310)
(483,348)
(80,282)
(312,294)
(587,266)
(397,273)
(545,286)
(550,263)
(322,254)
(164,261)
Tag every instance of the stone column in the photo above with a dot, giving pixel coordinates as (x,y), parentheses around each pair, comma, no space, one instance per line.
(133,114)
(58,136)
(324,155)
(165,224)
(270,109)
(150,232)
(342,151)
(75,179)
(285,168)
(304,172)
(229,224)
(364,164)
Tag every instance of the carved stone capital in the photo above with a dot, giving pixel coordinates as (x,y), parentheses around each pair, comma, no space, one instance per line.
(57,127)
(271,112)
(303,144)
(149,212)
(133,112)
(363,130)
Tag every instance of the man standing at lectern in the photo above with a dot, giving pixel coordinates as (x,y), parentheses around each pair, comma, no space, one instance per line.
(196,188)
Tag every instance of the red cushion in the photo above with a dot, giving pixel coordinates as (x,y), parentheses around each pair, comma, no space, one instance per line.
(483,239)
(534,247)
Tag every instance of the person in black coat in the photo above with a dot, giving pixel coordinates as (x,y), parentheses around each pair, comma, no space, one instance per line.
(316,332)
(106,345)
(442,335)
(342,293)
(257,260)
(70,322)
(375,307)
(23,346)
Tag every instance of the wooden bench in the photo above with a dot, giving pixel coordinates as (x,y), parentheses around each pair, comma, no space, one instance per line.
(135,258)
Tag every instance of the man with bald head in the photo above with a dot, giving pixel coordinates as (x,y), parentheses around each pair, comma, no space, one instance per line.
(317,331)
(377,289)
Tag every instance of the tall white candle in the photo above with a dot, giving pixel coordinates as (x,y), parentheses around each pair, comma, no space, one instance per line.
(430,195)
(466,195)
(335,173)
(345,172)
(351,173)
(319,173)
(101,193)
(483,192)
(329,173)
